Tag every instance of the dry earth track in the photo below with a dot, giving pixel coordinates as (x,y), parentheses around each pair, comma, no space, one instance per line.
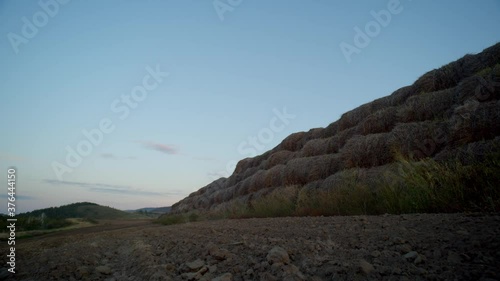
(392,247)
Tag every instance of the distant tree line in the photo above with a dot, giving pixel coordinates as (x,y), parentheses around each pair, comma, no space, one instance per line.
(63,212)
(48,218)
(31,222)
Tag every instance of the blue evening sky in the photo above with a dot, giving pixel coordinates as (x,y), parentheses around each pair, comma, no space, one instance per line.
(68,66)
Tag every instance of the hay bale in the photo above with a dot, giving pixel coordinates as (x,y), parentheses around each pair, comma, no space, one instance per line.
(250,172)
(335,143)
(293,142)
(485,86)
(323,166)
(316,133)
(490,54)
(425,83)
(244,188)
(331,130)
(367,151)
(315,147)
(447,76)
(237,189)
(471,153)
(336,164)
(201,203)
(217,184)
(475,121)
(257,181)
(451,74)
(420,139)
(296,171)
(351,177)
(353,117)
(229,193)
(280,157)
(466,89)
(427,106)
(307,169)
(257,160)
(399,96)
(254,197)
(274,176)
(379,122)
(234,178)
(218,196)
(243,165)
(380,103)
(264,164)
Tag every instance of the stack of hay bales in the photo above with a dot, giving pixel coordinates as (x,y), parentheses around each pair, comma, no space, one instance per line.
(447,112)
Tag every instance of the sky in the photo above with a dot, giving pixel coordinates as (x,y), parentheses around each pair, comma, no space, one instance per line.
(134,104)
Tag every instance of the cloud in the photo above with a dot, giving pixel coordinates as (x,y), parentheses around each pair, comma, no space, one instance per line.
(19,197)
(164,148)
(108,155)
(112,188)
(124,191)
(115,157)
(87,184)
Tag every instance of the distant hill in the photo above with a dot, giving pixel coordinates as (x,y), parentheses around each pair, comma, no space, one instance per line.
(433,146)
(58,217)
(151,211)
(156,210)
(82,210)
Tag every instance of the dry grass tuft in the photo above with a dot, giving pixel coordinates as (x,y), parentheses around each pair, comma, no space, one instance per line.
(278,203)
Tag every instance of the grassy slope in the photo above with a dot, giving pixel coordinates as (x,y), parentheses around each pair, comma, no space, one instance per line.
(73,215)
(101,212)
(83,210)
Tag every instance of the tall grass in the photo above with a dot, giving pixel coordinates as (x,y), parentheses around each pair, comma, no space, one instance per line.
(407,186)
(447,187)
(348,196)
(279,203)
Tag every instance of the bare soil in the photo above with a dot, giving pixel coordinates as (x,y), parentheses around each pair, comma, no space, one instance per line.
(391,247)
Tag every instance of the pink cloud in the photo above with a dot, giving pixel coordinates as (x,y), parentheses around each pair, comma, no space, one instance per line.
(165,148)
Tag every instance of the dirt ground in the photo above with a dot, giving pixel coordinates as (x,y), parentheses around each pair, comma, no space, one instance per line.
(391,247)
